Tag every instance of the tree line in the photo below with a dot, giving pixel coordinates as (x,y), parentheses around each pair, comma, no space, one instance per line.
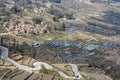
(16,47)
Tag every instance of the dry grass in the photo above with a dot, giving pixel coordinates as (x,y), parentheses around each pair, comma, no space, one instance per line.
(66,69)
(96,37)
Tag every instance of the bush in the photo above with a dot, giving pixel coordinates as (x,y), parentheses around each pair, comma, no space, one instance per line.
(55,19)
(45,71)
(37,20)
(16,9)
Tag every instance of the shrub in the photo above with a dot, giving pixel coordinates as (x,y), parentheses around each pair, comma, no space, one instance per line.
(45,71)
(37,20)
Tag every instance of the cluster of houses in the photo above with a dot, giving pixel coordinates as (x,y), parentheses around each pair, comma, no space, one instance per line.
(25,28)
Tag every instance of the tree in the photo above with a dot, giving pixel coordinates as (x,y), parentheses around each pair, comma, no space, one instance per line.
(17,46)
(34,54)
(37,20)
(55,19)
(16,9)
(63,27)
(14,43)
(2,39)
(44,70)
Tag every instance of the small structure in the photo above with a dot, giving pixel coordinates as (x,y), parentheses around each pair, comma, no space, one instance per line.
(66,44)
(36,44)
(91,54)
(91,47)
(79,45)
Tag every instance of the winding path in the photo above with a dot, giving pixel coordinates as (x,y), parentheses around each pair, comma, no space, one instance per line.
(38,66)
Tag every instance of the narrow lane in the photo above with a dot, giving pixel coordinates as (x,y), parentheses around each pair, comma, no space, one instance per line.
(38,66)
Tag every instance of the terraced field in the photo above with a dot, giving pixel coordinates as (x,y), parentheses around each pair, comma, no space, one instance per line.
(15,74)
(23,60)
(22,75)
(9,72)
